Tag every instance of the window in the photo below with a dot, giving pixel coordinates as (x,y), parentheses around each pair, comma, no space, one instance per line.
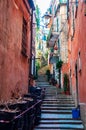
(79,62)
(24,38)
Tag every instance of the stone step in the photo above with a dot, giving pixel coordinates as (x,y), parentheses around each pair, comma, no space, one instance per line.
(57,111)
(43,85)
(52,94)
(61,121)
(53,91)
(58,105)
(60,126)
(60,100)
(52,98)
(55,116)
(56,129)
(44,102)
(64,98)
(56,108)
(50,89)
(57,102)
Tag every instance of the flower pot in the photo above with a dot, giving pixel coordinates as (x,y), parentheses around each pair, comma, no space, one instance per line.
(6,126)
(8,115)
(6,119)
(67,93)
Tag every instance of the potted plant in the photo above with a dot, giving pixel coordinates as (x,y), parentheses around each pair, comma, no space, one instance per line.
(59,66)
(48,74)
(66,83)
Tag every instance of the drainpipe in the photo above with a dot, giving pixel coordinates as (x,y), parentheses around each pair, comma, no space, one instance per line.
(30,59)
(31,42)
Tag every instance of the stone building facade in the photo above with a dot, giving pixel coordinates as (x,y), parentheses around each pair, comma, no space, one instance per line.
(58,37)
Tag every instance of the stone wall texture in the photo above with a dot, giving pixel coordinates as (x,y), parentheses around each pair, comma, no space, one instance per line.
(13,65)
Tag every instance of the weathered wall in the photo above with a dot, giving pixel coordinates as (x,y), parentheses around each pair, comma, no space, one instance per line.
(13,65)
(78,46)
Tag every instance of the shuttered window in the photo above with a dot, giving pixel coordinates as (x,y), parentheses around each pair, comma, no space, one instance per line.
(24,38)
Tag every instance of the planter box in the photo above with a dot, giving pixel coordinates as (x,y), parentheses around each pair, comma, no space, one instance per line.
(5,119)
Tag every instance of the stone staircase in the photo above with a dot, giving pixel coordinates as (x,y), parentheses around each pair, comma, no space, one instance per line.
(57,111)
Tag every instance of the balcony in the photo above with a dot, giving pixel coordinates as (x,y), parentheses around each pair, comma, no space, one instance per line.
(53,58)
(52,39)
(63,2)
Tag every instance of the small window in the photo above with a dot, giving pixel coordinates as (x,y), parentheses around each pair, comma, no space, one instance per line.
(24,38)
(79,62)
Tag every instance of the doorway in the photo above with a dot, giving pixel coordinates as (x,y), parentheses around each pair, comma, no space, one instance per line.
(76,77)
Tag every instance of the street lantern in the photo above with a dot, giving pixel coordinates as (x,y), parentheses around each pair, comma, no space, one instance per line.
(47,18)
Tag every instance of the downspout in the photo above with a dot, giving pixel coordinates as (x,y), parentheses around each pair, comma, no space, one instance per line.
(30,58)
(31,42)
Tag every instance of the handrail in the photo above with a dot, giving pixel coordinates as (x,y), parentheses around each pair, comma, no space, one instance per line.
(16,117)
(26,110)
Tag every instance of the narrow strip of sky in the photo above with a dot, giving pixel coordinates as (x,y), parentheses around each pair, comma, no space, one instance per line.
(43,5)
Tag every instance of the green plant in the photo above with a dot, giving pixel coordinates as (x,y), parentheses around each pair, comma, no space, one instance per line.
(46,55)
(59,64)
(48,74)
(37,69)
(66,82)
(37,17)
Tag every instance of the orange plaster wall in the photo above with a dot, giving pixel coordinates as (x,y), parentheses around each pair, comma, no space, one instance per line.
(13,65)
(79,44)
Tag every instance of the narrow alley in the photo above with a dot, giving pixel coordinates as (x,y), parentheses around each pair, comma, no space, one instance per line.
(57,110)
(43,42)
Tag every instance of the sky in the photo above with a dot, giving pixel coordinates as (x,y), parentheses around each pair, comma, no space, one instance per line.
(43,5)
